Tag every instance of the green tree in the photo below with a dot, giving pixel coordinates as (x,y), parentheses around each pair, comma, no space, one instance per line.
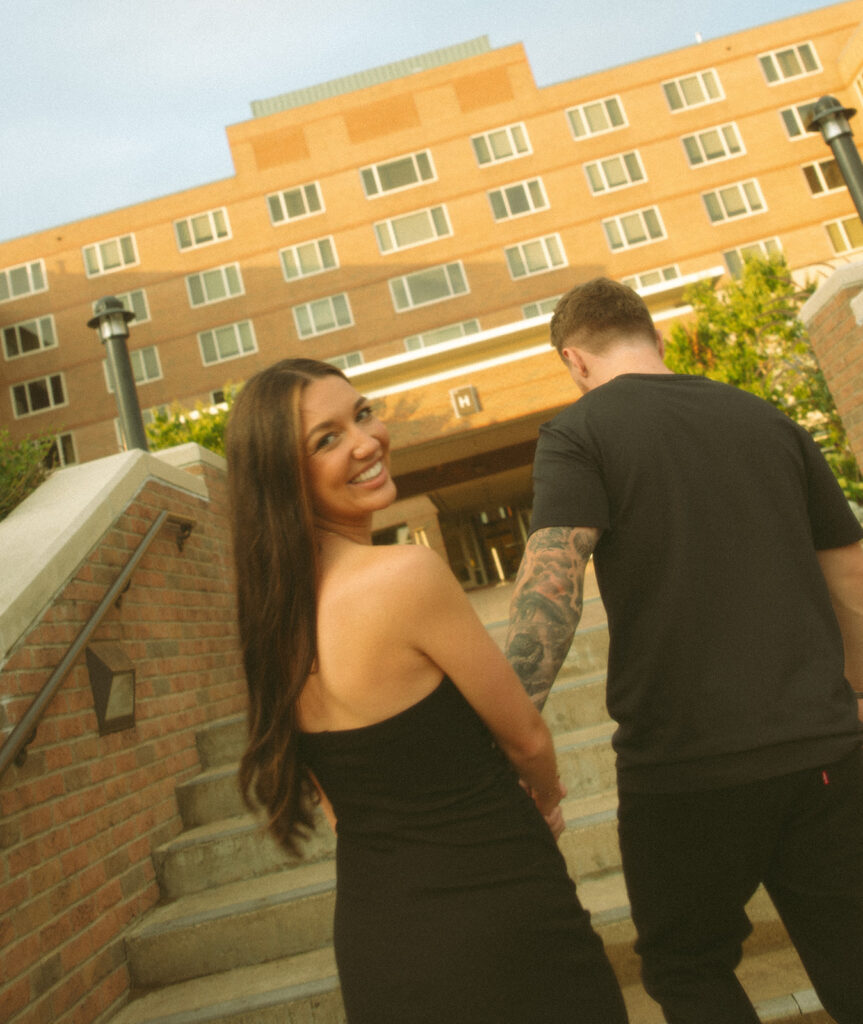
(749,333)
(205,425)
(23,467)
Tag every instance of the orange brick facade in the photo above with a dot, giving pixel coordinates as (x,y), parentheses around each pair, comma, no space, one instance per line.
(438,110)
(82,816)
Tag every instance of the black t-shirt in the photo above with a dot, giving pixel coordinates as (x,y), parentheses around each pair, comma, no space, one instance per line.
(726,662)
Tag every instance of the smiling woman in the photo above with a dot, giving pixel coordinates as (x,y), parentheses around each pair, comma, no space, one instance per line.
(375,690)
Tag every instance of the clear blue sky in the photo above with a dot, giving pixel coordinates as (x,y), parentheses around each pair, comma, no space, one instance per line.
(111,102)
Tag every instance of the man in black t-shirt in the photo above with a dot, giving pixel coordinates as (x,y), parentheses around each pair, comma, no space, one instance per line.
(731,571)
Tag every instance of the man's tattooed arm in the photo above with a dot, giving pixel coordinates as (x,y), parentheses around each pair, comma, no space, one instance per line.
(546,605)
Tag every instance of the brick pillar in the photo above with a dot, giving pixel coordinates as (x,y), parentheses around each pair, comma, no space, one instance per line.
(834,319)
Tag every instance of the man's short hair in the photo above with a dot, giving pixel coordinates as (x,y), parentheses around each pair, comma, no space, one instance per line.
(598,313)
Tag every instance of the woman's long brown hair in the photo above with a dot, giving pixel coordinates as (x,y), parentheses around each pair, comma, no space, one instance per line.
(275,555)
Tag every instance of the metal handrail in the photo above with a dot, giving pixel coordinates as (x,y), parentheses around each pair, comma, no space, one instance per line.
(15,746)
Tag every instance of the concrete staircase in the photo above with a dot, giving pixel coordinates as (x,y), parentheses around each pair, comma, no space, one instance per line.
(243,933)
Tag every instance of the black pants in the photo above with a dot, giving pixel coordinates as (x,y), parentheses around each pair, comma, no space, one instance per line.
(693,860)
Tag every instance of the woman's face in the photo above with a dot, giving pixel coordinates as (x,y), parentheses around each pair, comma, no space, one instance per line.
(347,452)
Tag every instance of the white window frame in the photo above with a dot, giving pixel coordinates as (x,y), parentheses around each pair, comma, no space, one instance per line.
(539,307)
(769,60)
(139,358)
(521,257)
(487,148)
(336,308)
(129,301)
(97,251)
(228,276)
(243,334)
(437,218)
(652,278)
(49,382)
(601,183)
(745,190)
(440,335)
(736,257)
(218,229)
(63,452)
(42,328)
(311,201)
(579,125)
(531,191)
(296,263)
(723,131)
(840,227)
(676,86)
(795,114)
(451,274)
(370,176)
(816,170)
(616,228)
(346,360)
(34,272)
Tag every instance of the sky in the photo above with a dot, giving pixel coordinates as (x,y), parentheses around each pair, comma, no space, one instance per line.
(106,103)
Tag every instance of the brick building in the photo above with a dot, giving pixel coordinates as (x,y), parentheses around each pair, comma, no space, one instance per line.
(416,222)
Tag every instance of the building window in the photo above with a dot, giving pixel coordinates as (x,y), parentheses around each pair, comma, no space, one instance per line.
(720,143)
(110,255)
(614,172)
(294,203)
(693,90)
(25,279)
(532,309)
(795,119)
(517,199)
(823,176)
(439,335)
(310,258)
(394,175)
(62,452)
(29,336)
(347,360)
(595,118)
(202,229)
(323,315)
(845,234)
(735,258)
(650,278)
(631,229)
(214,285)
(136,302)
(790,62)
(535,257)
(739,200)
(432,285)
(501,144)
(412,229)
(145,367)
(37,395)
(228,342)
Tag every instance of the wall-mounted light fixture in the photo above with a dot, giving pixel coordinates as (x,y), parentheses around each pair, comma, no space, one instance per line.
(112,680)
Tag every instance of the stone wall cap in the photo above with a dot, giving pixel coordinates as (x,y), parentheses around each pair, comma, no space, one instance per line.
(44,540)
(849,276)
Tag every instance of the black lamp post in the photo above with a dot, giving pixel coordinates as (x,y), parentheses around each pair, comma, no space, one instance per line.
(829,117)
(110,318)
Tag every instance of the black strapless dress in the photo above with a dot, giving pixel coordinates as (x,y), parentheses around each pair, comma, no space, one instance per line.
(453,904)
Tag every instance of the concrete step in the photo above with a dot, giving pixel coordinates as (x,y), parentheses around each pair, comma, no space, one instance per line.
(211,796)
(576,700)
(229,850)
(585,759)
(222,742)
(235,925)
(303,989)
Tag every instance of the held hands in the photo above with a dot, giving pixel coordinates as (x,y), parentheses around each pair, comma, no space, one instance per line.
(548,804)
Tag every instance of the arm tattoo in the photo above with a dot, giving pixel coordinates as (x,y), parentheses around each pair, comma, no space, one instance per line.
(546,605)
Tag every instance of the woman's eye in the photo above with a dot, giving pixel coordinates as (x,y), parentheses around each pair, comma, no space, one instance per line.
(324,440)
(364,413)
